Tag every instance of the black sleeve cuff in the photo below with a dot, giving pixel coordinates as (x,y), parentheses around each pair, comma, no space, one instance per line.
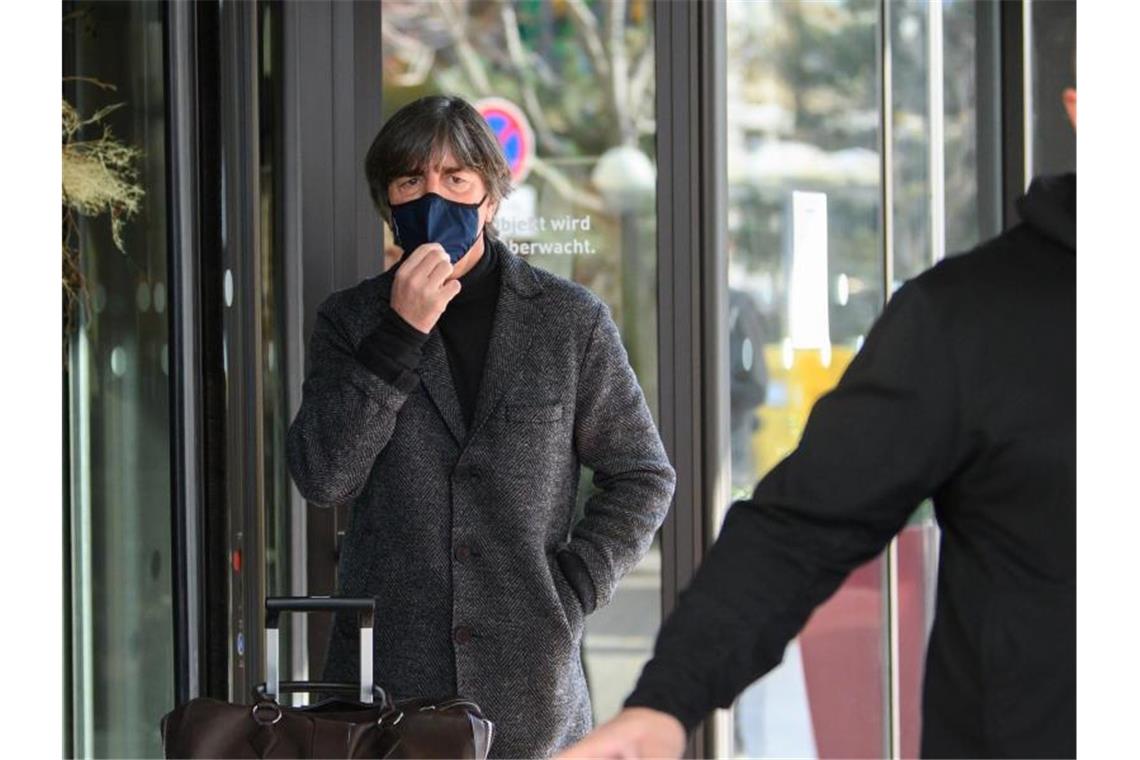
(393,351)
(576,573)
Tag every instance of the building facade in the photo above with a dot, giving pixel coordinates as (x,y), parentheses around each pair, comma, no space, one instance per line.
(744,183)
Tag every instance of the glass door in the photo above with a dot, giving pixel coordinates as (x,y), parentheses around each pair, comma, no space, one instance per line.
(937,210)
(805,280)
(117,419)
(853,136)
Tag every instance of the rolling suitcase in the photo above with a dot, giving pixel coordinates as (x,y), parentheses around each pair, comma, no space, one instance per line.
(363,723)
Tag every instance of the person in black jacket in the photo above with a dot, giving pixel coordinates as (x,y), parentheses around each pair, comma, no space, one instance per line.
(965,391)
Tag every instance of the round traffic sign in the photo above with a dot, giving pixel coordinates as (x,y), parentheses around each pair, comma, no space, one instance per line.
(513,131)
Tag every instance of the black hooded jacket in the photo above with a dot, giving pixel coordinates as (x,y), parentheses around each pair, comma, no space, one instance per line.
(965,391)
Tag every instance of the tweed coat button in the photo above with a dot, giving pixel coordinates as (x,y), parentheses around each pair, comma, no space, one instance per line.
(463,634)
(463,552)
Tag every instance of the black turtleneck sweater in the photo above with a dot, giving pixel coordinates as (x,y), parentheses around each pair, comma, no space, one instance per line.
(466,327)
(394,349)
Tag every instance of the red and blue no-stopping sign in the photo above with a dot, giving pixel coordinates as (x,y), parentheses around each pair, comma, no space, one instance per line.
(513,131)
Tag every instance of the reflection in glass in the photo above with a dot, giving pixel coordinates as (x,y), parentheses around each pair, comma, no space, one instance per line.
(583,204)
(805,277)
(118,408)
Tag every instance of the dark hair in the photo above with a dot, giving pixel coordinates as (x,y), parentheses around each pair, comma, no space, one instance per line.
(420,132)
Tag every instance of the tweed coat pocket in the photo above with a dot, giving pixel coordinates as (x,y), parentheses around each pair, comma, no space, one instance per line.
(534,412)
(531,439)
(572,611)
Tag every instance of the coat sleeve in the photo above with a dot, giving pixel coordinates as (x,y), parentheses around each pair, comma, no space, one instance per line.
(887,437)
(346,418)
(615,436)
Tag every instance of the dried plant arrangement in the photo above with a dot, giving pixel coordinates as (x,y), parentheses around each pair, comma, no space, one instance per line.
(100,176)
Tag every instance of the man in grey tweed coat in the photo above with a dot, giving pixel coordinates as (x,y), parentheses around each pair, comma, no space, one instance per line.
(452,401)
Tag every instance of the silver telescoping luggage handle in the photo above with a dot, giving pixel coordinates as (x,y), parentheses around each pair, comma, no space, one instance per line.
(275,605)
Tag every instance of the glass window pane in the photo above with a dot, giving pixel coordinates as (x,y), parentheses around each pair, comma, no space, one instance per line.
(934,152)
(284,568)
(585,208)
(918,580)
(911,139)
(805,277)
(117,376)
(1053,67)
(960,126)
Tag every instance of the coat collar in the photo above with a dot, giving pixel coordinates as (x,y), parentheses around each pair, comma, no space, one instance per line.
(517,314)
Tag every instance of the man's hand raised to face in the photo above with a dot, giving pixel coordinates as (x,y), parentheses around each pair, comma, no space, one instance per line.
(421,288)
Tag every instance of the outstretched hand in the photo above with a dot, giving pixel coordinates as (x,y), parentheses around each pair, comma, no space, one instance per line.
(637,733)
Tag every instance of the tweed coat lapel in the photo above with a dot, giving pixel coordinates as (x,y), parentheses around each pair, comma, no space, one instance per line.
(517,314)
(516,317)
(434,372)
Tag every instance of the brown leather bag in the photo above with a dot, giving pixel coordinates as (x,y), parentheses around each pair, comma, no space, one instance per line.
(372,726)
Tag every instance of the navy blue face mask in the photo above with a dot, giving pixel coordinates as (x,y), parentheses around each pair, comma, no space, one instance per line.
(431,218)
